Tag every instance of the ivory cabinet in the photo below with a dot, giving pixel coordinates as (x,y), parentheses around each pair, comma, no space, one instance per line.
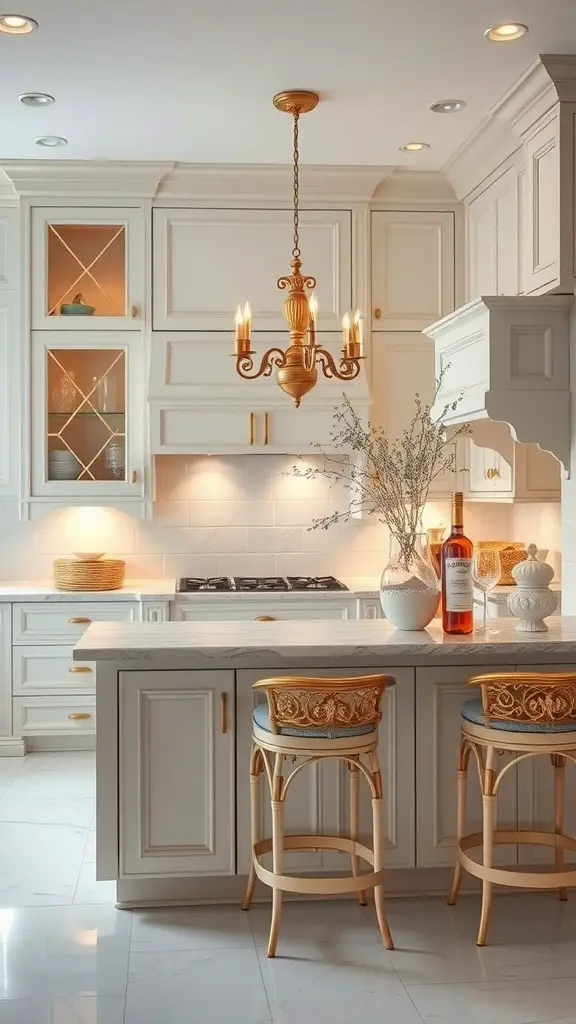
(206,262)
(177,773)
(493,219)
(412,268)
(87,415)
(440,692)
(526,474)
(547,256)
(96,252)
(263,607)
(10,417)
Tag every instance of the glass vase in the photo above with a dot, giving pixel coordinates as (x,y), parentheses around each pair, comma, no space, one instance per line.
(409,590)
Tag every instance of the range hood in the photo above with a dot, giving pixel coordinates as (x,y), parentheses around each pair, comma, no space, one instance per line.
(507,358)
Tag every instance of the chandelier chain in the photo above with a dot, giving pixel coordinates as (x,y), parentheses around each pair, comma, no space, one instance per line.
(296,249)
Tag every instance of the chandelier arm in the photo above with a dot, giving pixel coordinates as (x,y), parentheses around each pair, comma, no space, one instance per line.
(273,357)
(348,369)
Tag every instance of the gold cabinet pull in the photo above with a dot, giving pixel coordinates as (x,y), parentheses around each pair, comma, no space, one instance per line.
(224,710)
(79,716)
(251,427)
(377,314)
(134,312)
(493,473)
(79,668)
(265,428)
(134,476)
(264,618)
(79,621)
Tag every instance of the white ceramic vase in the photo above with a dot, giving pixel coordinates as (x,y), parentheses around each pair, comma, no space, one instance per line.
(532,601)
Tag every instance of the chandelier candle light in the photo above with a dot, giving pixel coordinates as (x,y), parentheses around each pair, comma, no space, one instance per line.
(296,367)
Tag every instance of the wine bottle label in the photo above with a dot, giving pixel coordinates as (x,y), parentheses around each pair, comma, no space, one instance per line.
(458,585)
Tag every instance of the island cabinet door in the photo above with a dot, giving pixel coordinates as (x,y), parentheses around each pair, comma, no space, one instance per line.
(317,800)
(177,777)
(440,692)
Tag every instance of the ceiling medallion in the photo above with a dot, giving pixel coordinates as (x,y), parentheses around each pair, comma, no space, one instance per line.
(296,367)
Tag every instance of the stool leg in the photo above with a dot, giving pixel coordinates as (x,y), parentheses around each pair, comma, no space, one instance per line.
(379,850)
(559,764)
(277,852)
(354,787)
(255,769)
(463,759)
(488,824)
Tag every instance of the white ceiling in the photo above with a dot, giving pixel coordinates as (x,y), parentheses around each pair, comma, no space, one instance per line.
(190,80)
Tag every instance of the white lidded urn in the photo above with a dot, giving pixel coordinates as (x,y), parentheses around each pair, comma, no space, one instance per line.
(532,601)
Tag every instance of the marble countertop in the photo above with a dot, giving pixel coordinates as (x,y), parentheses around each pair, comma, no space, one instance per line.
(133,590)
(321,642)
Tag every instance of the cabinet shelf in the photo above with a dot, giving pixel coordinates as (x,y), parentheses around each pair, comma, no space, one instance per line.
(88,415)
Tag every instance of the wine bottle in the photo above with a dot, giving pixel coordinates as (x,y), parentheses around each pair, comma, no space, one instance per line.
(457,590)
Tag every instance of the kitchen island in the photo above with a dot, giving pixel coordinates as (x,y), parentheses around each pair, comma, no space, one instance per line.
(174,706)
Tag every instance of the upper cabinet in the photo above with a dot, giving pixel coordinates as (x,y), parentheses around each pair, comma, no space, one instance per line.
(493,238)
(546,259)
(206,262)
(412,269)
(87,424)
(87,269)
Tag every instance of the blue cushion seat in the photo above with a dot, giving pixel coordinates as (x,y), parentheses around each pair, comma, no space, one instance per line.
(261,718)
(472,711)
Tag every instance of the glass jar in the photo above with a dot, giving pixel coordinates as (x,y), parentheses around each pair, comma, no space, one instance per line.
(64,394)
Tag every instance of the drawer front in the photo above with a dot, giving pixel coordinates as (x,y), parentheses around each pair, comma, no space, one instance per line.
(49,716)
(65,622)
(247,610)
(38,670)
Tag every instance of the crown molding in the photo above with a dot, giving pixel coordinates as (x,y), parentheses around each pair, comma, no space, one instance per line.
(88,179)
(270,183)
(404,186)
(550,80)
(8,195)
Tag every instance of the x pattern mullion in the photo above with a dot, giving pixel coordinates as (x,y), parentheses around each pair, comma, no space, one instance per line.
(85,270)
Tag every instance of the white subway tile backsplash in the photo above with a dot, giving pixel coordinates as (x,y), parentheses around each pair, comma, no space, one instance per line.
(235,512)
(172,513)
(274,538)
(255,564)
(174,566)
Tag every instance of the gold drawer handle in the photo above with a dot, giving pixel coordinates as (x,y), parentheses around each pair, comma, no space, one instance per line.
(134,476)
(492,474)
(251,427)
(79,668)
(134,312)
(224,709)
(79,621)
(264,618)
(266,430)
(377,314)
(79,716)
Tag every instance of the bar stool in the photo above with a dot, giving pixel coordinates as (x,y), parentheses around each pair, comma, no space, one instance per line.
(527,714)
(312,718)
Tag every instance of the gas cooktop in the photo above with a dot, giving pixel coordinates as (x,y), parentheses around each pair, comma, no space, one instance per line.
(214,584)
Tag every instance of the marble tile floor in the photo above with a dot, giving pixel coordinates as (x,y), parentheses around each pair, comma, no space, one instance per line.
(67,956)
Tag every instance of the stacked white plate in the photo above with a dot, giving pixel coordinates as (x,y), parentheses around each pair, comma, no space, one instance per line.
(63,465)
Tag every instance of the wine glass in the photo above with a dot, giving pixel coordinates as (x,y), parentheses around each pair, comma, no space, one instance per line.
(486,571)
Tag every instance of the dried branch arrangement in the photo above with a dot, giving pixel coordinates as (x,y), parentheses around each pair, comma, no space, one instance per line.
(389,479)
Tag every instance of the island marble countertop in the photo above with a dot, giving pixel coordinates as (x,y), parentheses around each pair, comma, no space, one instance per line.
(322,642)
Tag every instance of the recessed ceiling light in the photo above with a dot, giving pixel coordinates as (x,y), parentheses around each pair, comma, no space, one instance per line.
(36,99)
(414,147)
(447,106)
(51,141)
(17,24)
(506,31)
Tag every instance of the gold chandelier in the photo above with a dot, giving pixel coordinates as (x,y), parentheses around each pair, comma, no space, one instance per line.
(296,367)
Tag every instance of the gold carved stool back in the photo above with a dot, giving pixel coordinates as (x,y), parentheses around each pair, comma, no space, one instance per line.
(522,714)
(303,721)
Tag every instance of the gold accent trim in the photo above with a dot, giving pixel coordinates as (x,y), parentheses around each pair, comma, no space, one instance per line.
(264,618)
(492,473)
(78,716)
(251,427)
(266,432)
(224,710)
(528,697)
(79,668)
(328,703)
(377,314)
(134,476)
(134,312)
(296,101)
(79,621)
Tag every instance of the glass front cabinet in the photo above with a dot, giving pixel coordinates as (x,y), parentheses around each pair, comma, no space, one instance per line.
(87,415)
(87,269)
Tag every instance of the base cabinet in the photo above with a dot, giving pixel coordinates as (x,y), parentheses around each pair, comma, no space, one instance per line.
(177,773)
